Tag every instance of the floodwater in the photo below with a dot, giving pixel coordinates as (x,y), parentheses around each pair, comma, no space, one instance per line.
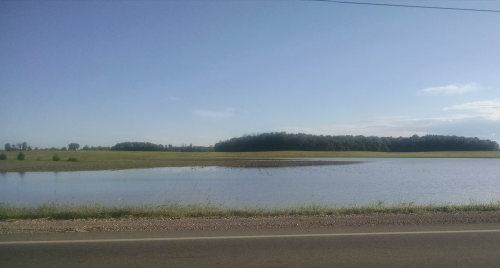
(388,180)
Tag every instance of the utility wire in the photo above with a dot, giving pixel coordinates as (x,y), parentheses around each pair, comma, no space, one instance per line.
(410,6)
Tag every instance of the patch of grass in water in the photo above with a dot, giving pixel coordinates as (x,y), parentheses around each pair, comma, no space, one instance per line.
(96,211)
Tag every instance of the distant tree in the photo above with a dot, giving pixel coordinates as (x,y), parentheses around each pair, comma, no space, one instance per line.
(20,156)
(86,148)
(24,146)
(29,148)
(36,148)
(136,146)
(13,147)
(73,146)
(8,148)
(64,149)
(19,145)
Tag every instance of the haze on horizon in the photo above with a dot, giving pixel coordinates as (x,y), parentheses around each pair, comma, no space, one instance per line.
(181,72)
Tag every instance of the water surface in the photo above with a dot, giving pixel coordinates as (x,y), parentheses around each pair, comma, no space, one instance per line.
(391,180)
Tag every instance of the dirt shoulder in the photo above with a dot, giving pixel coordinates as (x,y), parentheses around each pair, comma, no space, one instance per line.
(142,224)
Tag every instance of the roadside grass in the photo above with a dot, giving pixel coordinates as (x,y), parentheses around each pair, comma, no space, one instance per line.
(41,161)
(176,211)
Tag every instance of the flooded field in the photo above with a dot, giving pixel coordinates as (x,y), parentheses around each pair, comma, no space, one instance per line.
(388,180)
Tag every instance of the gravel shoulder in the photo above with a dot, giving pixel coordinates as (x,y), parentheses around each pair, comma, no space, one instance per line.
(144,224)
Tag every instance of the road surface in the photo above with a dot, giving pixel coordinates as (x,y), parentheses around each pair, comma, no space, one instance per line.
(473,245)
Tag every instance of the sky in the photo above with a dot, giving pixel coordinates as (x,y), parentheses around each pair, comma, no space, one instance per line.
(178,72)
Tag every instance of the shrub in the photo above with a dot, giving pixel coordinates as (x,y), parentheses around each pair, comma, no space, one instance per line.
(56,158)
(20,156)
(72,159)
(3,156)
(38,159)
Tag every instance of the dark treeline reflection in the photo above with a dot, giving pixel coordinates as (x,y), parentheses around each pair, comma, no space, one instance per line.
(281,141)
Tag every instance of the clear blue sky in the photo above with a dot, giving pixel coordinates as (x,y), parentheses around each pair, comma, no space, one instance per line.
(172,72)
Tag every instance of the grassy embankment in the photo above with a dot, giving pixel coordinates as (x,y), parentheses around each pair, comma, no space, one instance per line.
(67,212)
(41,161)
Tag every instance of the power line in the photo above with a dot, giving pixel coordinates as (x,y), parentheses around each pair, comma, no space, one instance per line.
(409,6)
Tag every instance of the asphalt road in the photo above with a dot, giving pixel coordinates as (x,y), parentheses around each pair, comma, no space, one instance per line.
(474,245)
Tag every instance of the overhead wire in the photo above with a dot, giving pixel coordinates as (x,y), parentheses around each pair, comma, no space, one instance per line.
(378,4)
(407,6)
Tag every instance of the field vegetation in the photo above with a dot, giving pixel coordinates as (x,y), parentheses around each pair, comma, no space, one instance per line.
(176,211)
(42,161)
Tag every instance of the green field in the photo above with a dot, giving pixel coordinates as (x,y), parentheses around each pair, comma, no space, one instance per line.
(41,161)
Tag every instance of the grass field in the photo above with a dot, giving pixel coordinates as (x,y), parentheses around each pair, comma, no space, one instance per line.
(41,161)
(67,212)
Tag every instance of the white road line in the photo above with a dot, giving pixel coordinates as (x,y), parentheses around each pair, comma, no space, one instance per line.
(240,237)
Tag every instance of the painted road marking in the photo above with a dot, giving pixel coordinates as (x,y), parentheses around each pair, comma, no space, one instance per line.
(240,237)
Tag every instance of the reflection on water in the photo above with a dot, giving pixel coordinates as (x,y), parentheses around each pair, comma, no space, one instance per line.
(388,180)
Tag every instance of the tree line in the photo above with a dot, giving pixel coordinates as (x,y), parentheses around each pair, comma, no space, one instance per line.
(148,146)
(71,147)
(22,146)
(281,141)
(123,146)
